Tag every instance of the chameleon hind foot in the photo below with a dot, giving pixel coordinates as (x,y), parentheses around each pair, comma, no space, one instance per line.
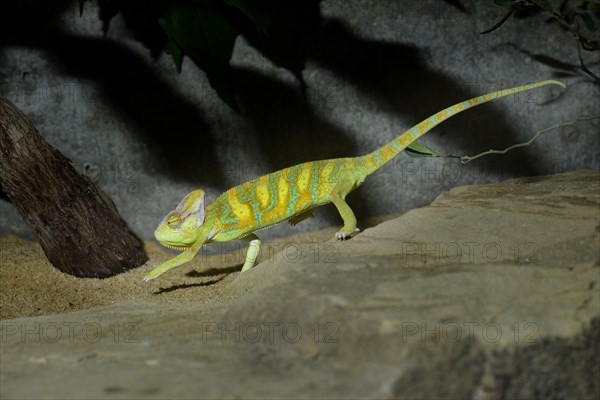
(301,217)
(252,253)
(346,235)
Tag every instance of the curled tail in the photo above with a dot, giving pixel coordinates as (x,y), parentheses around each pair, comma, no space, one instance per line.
(383,155)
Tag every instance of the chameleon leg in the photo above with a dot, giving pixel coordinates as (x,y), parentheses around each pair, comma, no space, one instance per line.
(301,217)
(182,258)
(253,251)
(338,196)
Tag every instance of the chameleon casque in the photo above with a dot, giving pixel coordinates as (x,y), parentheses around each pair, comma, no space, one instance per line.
(288,194)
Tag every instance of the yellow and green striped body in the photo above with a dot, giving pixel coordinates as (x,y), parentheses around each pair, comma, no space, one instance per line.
(288,193)
(276,197)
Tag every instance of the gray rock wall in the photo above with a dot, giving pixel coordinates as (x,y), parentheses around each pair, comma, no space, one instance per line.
(148,135)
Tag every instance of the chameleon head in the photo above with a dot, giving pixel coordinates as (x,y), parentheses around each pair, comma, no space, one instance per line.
(179,229)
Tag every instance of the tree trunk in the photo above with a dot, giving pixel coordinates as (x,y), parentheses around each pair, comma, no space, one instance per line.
(77,225)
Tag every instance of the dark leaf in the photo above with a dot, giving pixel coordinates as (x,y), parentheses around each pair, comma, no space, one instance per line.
(176,53)
(294,27)
(204,32)
(416,149)
(260,19)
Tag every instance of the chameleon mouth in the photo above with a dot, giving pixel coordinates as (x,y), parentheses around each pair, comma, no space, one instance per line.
(174,247)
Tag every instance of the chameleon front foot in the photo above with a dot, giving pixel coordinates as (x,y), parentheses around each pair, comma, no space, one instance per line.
(341,235)
(182,258)
(155,273)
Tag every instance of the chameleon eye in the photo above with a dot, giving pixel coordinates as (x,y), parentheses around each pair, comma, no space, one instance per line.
(174,219)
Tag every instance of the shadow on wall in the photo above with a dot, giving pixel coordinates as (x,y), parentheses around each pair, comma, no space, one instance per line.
(396,76)
(174,129)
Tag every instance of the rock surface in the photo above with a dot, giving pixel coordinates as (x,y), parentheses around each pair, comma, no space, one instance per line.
(489,292)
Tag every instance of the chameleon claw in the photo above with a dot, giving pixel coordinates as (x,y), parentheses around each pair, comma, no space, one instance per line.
(345,235)
(149,277)
(155,273)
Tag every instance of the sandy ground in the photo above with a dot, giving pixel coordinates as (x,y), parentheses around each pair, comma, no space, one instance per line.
(30,285)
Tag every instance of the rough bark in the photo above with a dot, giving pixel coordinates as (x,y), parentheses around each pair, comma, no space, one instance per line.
(77,225)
